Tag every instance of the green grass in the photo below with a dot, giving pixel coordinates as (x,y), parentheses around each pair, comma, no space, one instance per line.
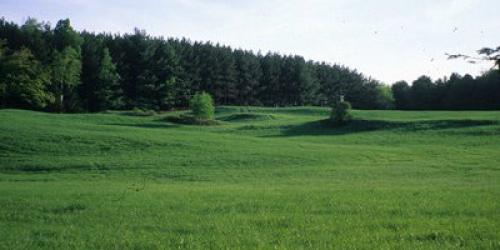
(264,178)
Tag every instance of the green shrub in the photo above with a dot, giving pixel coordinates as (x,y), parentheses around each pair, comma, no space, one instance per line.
(341,112)
(202,106)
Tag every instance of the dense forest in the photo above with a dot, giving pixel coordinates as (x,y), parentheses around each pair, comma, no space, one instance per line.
(453,93)
(60,69)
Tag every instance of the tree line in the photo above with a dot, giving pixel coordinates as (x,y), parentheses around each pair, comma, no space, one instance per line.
(454,93)
(60,69)
(63,70)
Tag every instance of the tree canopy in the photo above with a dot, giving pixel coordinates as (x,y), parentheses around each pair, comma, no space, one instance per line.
(83,71)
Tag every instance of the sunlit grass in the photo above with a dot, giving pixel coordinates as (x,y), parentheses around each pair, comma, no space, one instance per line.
(263,178)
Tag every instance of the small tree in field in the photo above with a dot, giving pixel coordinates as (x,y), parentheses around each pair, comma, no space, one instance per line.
(341,112)
(202,106)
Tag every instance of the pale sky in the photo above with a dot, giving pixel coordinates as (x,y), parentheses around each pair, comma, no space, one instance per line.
(388,40)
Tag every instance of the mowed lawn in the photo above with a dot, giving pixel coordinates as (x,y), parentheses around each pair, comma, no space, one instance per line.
(264,179)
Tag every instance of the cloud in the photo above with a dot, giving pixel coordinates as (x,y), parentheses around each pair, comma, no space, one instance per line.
(449,11)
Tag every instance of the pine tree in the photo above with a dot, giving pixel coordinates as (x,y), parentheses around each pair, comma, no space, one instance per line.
(157,80)
(91,59)
(271,71)
(3,72)
(65,35)
(422,93)
(133,64)
(401,93)
(248,78)
(226,82)
(108,92)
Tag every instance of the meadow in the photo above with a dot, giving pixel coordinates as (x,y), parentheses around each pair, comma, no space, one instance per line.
(265,178)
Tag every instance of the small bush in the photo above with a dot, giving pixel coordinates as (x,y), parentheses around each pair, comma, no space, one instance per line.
(202,106)
(341,112)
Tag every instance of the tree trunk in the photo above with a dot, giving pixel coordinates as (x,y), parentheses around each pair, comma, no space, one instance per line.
(61,99)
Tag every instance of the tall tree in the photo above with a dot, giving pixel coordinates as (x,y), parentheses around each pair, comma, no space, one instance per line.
(225,83)
(401,93)
(422,93)
(66,65)
(248,77)
(271,72)
(3,72)
(37,37)
(385,98)
(24,80)
(108,93)
(91,59)
(134,50)
(65,35)
(158,79)
(66,69)
(162,73)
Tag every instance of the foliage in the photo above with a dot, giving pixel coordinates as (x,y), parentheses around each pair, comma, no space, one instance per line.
(341,112)
(162,74)
(66,69)
(95,72)
(202,106)
(23,81)
(65,36)
(491,54)
(485,54)
(422,91)
(108,92)
(454,93)
(385,98)
(3,85)
(157,82)
(248,75)
(401,92)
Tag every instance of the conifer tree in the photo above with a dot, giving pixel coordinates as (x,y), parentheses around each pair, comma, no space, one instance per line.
(108,92)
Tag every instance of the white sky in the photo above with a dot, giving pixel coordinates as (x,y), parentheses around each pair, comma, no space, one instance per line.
(388,40)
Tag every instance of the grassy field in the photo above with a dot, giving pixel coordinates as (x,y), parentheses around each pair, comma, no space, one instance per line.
(266,178)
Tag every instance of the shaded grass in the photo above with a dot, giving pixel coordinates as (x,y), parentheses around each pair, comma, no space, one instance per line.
(245,117)
(190,120)
(324,127)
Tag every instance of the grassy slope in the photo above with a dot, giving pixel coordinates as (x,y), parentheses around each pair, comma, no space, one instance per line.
(266,178)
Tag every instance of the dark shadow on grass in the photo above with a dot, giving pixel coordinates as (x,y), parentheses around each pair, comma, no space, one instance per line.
(244,117)
(185,119)
(176,177)
(156,125)
(69,209)
(135,112)
(324,127)
(49,168)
